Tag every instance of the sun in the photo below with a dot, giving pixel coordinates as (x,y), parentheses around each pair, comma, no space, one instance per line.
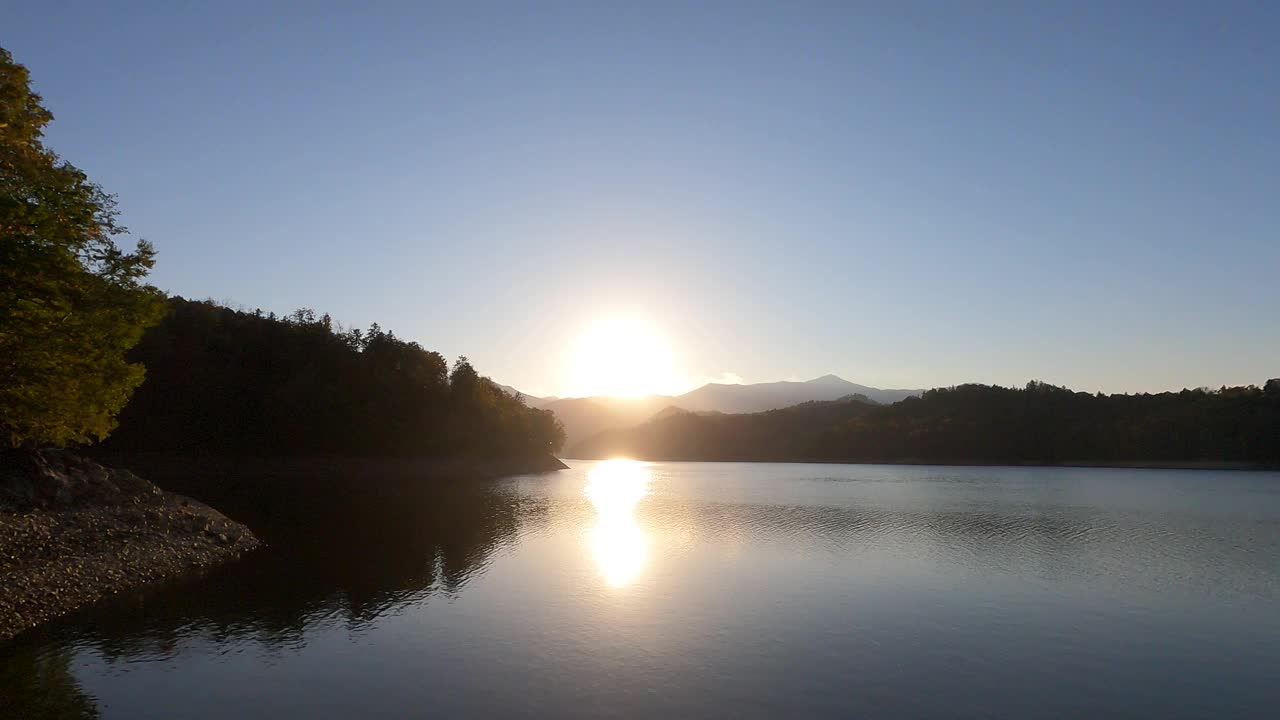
(622,357)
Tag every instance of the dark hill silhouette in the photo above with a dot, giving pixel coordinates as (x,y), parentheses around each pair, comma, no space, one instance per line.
(671,410)
(1039,424)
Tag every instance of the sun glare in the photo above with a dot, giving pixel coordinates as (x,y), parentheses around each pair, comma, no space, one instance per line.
(622,357)
(619,545)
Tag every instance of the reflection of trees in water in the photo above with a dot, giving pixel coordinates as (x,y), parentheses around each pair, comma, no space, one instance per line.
(349,553)
(40,686)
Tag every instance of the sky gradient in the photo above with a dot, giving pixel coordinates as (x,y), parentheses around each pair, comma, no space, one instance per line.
(905,194)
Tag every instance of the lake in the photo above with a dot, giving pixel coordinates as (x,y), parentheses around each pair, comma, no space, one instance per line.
(708,590)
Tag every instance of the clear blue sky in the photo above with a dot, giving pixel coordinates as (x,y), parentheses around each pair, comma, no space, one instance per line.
(906,194)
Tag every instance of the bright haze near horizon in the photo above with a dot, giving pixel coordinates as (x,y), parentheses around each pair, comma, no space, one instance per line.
(592,198)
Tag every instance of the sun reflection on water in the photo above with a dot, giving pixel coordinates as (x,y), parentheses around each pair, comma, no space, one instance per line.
(619,545)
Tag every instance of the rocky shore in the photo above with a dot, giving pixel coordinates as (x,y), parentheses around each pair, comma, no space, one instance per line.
(73,531)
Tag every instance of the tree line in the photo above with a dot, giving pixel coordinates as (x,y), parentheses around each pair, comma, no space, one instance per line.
(231,380)
(1039,423)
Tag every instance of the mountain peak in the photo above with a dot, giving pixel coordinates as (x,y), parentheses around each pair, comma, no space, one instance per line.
(828,379)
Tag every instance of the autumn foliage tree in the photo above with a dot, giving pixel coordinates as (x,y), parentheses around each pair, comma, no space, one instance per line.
(72,302)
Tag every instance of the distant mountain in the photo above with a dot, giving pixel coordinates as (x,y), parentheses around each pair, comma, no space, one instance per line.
(788,433)
(672,410)
(584,417)
(530,400)
(771,396)
(512,390)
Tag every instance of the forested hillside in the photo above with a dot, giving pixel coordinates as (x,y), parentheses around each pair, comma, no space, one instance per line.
(1040,423)
(222,379)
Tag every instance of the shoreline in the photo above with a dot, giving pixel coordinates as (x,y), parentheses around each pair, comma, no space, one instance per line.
(322,466)
(1102,465)
(55,562)
(73,532)
(234,483)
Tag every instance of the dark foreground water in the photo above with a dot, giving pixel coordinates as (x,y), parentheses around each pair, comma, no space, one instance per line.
(709,590)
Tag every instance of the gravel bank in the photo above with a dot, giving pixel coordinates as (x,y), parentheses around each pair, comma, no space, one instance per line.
(72,532)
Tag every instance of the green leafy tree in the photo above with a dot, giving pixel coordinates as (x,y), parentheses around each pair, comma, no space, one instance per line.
(72,303)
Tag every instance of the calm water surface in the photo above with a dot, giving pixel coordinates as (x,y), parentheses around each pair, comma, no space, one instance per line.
(710,590)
